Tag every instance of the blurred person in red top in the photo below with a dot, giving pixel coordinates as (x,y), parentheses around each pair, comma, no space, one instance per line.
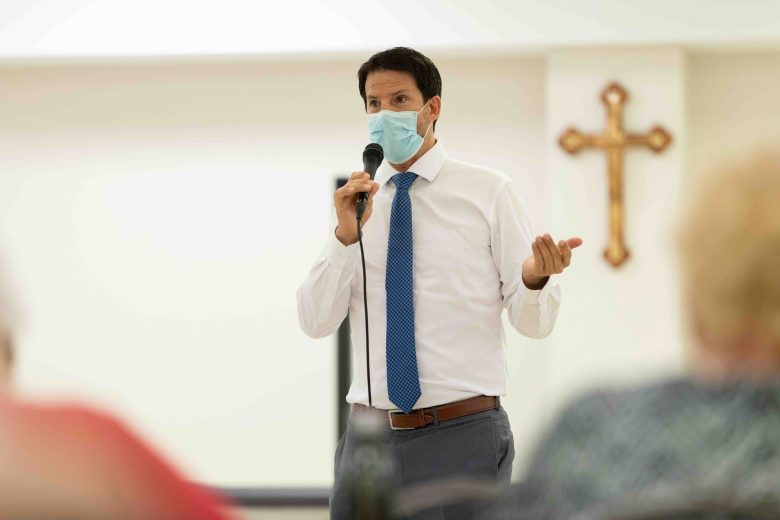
(67,461)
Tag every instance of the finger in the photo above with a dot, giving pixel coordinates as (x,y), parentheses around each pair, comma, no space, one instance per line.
(538,258)
(557,263)
(345,192)
(565,253)
(358,182)
(374,189)
(359,175)
(346,196)
(359,185)
(574,242)
(548,261)
(370,203)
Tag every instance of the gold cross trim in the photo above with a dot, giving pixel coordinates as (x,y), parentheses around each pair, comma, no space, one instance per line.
(614,141)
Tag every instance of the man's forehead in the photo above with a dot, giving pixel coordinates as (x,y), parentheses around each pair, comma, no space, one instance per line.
(390,82)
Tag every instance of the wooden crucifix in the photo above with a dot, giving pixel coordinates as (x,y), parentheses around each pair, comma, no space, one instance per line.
(614,141)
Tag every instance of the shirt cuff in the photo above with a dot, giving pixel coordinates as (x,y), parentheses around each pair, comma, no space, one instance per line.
(532,296)
(337,254)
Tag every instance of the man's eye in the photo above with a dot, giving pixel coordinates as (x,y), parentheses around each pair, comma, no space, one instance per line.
(402,99)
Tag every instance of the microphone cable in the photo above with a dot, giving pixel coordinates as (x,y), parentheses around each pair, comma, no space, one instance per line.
(365,311)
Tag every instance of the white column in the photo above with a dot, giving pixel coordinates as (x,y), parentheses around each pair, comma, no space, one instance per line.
(616,325)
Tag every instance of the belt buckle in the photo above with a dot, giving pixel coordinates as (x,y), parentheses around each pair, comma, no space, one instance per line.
(390,420)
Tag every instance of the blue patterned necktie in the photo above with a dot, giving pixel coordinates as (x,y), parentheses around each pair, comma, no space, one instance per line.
(403,381)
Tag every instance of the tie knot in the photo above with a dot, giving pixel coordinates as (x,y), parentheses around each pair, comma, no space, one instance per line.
(404,180)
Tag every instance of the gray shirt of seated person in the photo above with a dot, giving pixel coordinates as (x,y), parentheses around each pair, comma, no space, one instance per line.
(664,443)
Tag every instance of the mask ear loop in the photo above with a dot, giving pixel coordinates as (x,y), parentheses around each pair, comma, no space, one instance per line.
(428,130)
(429,124)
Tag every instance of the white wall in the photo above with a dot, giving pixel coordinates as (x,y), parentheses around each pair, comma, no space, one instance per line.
(616,326)
(733,109)
(158,218)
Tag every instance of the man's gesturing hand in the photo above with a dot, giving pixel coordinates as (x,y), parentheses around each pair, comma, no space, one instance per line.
(547,259)
(345,200)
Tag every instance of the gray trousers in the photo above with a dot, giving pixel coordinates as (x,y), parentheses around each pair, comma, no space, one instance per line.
(476,447)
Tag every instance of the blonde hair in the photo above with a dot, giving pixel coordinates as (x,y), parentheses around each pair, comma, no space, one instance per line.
(730,253)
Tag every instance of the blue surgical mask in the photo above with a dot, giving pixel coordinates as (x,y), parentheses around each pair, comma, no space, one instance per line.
(396,133)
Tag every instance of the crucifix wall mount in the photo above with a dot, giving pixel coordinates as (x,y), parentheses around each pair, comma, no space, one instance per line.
(614,140)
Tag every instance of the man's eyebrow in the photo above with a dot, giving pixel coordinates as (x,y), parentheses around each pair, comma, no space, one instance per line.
(403,91)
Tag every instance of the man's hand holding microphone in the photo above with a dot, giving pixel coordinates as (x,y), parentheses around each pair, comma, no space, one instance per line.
(354,200)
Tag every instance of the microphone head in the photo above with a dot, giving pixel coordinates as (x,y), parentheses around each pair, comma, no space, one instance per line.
(374,151)
(372,158)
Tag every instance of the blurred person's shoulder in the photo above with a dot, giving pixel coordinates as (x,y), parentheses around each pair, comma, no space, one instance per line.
(66,437)
(55,444)
(678,433)
(66,420)
(601,408)
(672,419)
(88,453)
(594,409)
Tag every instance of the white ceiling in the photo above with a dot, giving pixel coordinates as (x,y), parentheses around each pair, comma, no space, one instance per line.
(142,28)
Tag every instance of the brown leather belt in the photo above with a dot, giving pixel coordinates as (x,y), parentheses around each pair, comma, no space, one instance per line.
(425,416)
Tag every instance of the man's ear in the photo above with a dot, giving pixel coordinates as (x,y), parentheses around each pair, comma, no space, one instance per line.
(435,108)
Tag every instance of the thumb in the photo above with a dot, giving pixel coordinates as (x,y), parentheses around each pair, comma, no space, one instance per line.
(574,242)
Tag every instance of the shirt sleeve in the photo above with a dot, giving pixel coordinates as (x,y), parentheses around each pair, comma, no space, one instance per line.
(532,313)
(323,298)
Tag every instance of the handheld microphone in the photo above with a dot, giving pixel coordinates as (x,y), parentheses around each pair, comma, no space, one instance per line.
(372,158)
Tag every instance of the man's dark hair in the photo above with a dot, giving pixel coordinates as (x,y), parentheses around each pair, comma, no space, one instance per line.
(403,59)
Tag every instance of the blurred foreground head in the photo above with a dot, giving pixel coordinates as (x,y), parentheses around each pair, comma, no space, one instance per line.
(730,252)
(9,325)
(7,348)
(6,360)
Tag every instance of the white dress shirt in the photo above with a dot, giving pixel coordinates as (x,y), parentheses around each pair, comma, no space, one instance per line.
(471,235)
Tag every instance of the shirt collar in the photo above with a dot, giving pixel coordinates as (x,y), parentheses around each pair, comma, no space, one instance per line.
(428,166)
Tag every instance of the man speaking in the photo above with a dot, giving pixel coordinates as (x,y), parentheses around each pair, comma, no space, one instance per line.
(447,247)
